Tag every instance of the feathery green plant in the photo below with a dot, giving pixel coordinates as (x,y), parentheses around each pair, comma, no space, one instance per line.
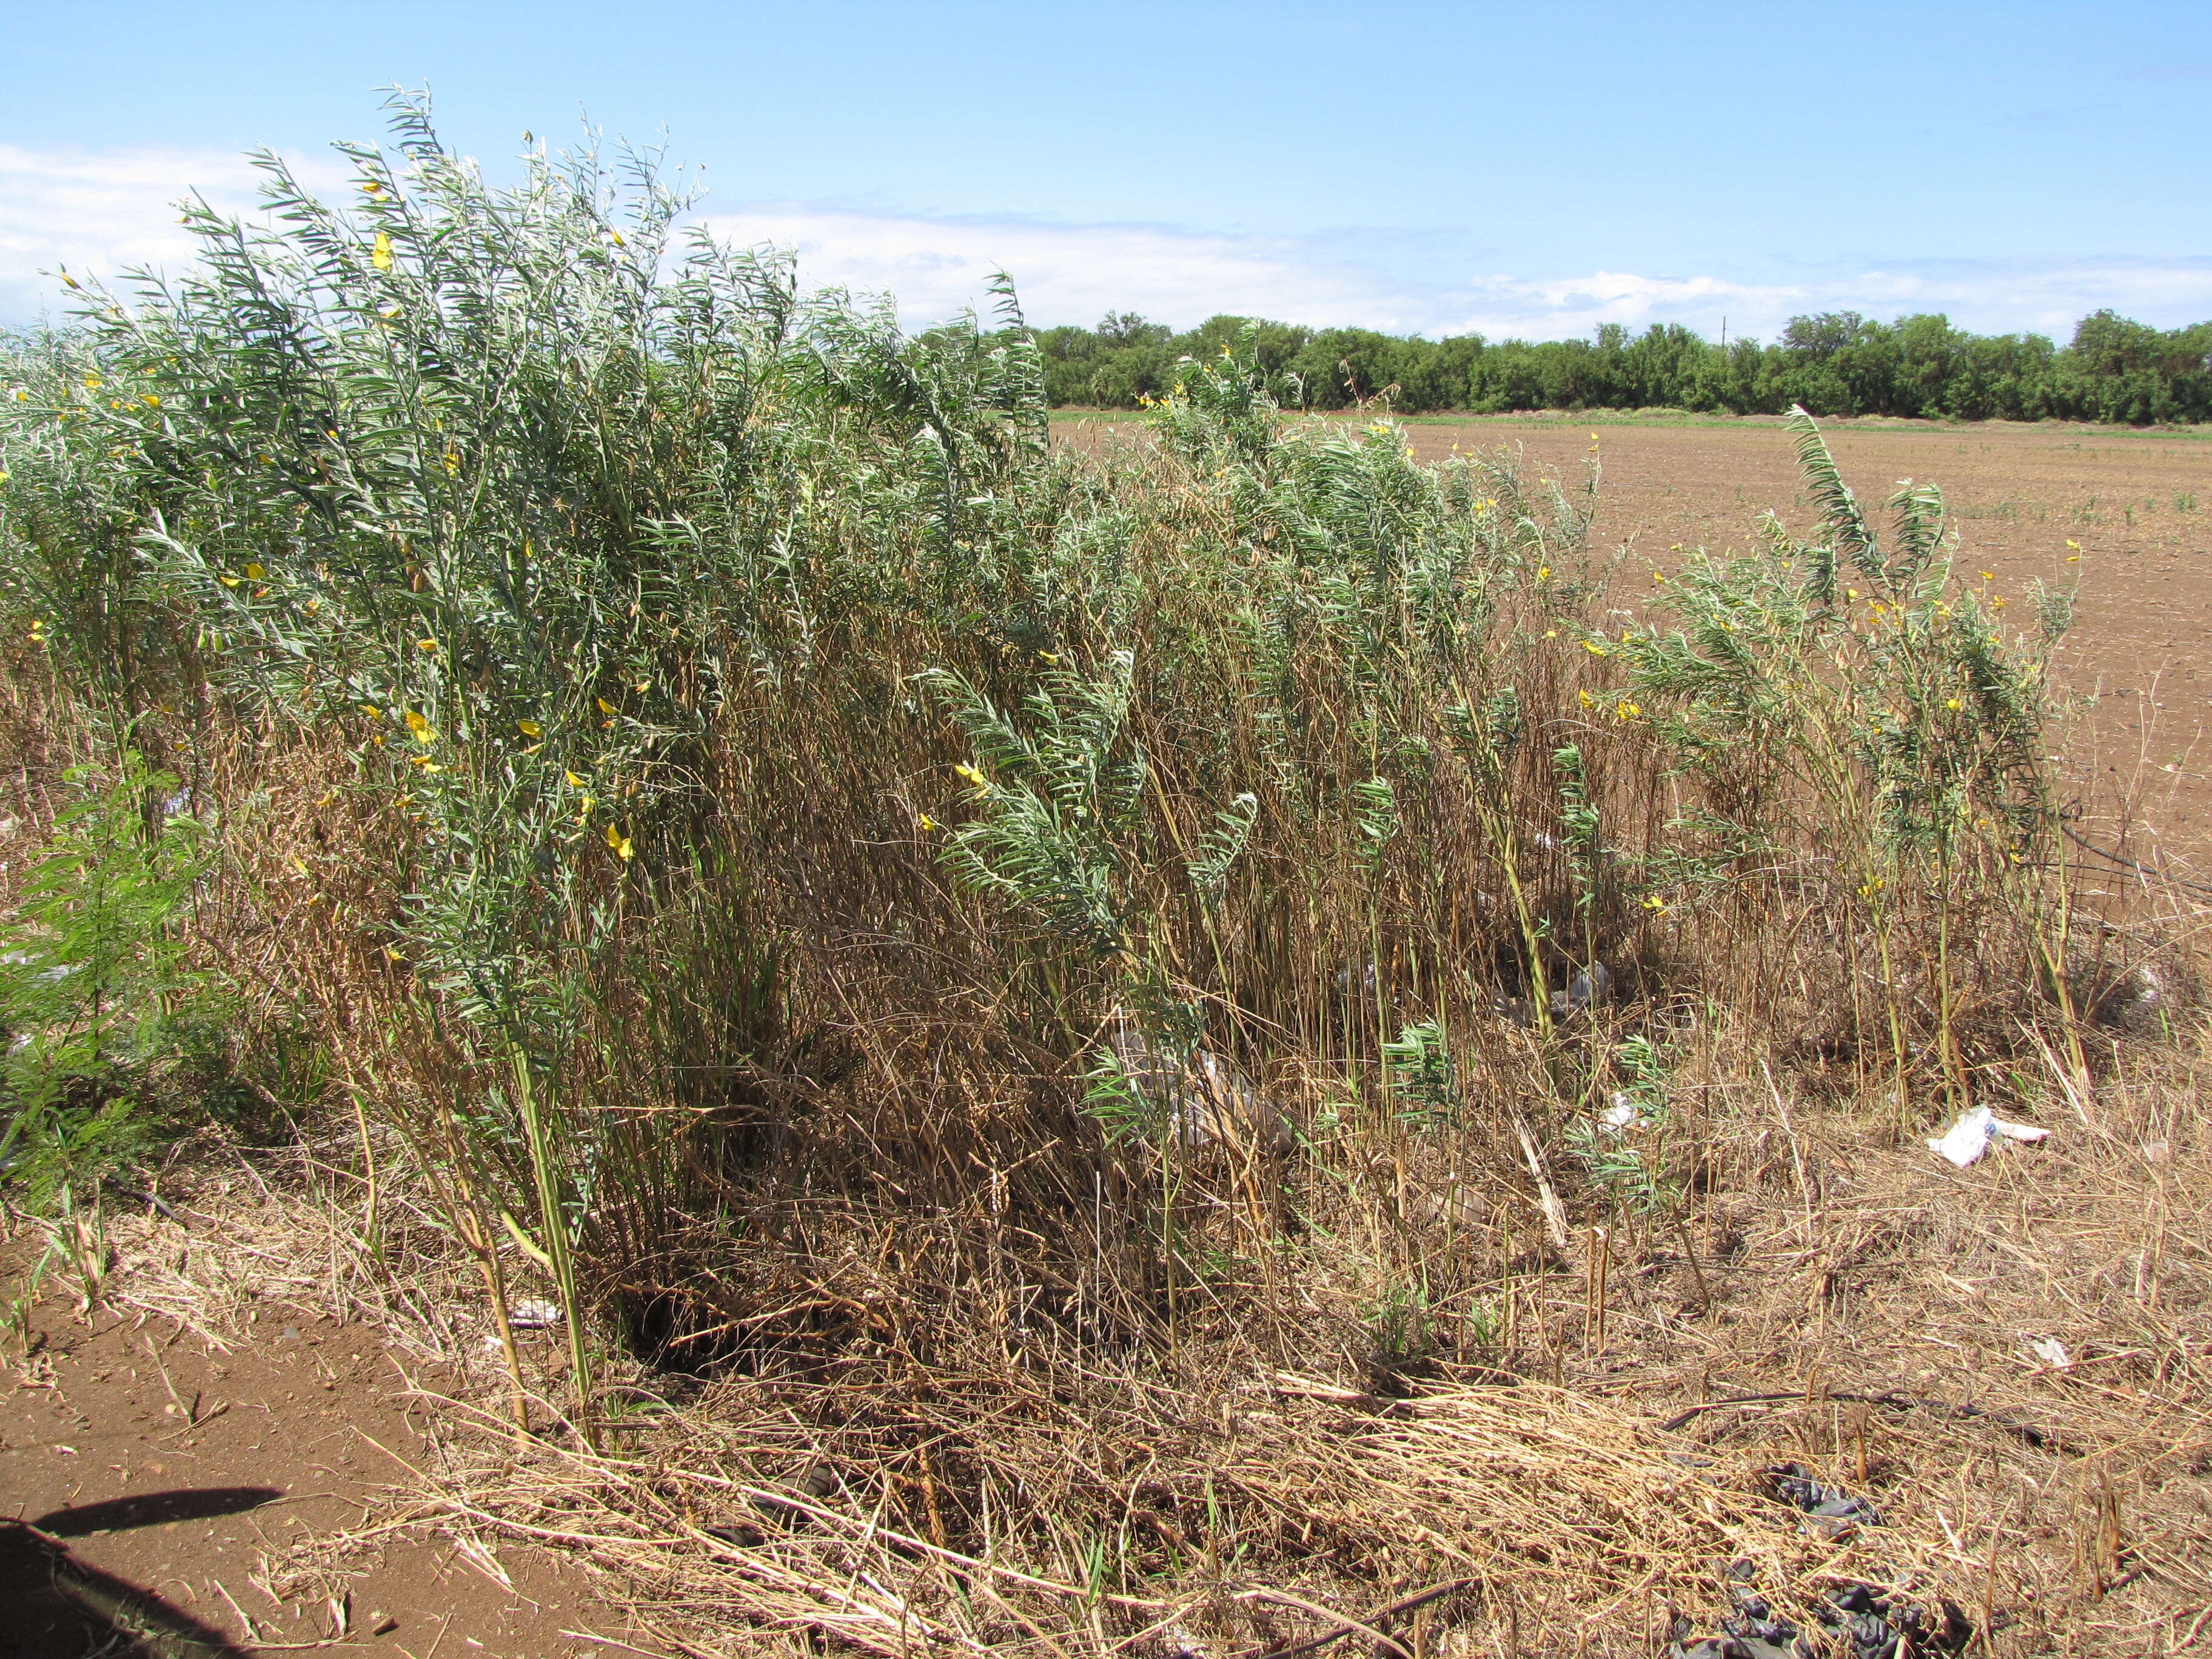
(98,999)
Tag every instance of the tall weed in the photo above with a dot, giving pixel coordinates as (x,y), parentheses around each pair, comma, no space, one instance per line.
(747,815)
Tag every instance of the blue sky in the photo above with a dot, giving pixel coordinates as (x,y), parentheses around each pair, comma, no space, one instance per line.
(1530,169)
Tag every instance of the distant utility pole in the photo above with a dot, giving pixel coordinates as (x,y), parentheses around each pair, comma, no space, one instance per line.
(1723,334)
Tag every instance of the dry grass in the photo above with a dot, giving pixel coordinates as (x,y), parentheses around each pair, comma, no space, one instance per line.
(1868,1308)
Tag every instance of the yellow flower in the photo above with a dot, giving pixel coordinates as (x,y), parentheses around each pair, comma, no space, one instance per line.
(605,707)
(1595,648)
(2075,545)
(1989,575)
(925,821)
(1589,702)
(151,401)
(92,383)
(575,781)
(1050,656)
(370,709)
(380,255)
(616,237)
(426,643)
(529,728)
(1550,632)
(1655,902)
(1626,710)
(620,842)
(973,775)
(424,733)
(451,460)
(1954,703)
(1543,573)
(228,581)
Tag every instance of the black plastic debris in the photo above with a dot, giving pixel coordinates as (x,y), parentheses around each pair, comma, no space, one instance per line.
(1829,1512)
(1859,1609)
(1876,1624)
(1752,1631)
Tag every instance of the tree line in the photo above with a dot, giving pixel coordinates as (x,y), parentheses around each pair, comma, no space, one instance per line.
(1838,363)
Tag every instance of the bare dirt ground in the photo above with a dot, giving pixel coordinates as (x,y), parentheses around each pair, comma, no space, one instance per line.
(232,1482)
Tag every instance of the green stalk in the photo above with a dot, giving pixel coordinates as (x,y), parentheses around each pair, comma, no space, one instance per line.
(555,1228)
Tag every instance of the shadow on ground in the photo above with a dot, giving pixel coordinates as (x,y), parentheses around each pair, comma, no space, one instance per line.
(61,1607)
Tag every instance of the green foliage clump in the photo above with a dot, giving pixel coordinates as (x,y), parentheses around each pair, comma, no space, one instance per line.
(98,1006)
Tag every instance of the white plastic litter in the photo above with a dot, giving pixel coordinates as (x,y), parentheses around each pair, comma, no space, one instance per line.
(1623,1114)
(533,1315)
(2051,1351)
(1969,1137)
(1588,985)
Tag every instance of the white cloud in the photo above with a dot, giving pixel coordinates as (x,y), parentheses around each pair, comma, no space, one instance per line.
(1075,273)
(1070,273)
(101,212)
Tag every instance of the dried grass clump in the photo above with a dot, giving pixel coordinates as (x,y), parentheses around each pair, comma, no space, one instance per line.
(1863,1310)
(1127,1519)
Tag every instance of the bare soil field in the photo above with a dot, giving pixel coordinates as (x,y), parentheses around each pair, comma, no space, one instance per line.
(192,1490)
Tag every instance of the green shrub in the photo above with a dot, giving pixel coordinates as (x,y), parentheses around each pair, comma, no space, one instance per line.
(98,1005)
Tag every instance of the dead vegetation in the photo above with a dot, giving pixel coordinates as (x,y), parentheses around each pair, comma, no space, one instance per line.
(1859,1310)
